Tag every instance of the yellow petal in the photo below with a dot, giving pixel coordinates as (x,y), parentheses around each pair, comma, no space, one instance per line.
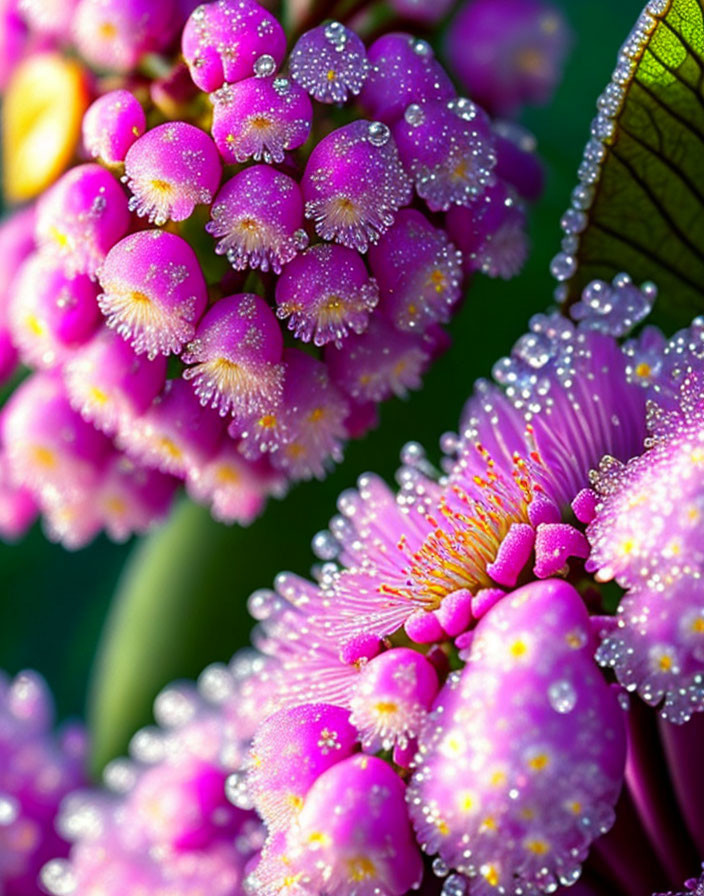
(41,123)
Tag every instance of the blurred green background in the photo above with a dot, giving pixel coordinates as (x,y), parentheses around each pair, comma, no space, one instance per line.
(164,608)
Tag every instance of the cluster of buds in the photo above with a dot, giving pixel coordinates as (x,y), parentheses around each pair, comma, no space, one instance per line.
(163,824)
(37,769)
(262,249)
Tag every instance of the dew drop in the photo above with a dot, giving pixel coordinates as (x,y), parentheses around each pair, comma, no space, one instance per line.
(562,696)
(563,266)
(237,792)
(454,885)
(378,133)
(9,810)
(58,878)
(325,545)
(440,869)
(264,66)
(414,115)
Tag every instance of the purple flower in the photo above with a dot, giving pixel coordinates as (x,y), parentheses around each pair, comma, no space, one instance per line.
(444,633)
(214,28)
(37,769)
(325,293)
(507,52)
(330,62)
(236,355)
(112,124)
(419,272)
(261,118)
(153,291)
(81,217)
(116,34)
(170,170)
(354,183)
(162,822)
(448,150)
(257,218)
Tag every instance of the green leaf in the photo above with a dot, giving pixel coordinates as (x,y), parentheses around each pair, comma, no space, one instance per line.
(163,599)
(640,202)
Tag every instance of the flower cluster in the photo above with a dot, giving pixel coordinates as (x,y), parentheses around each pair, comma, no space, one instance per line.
(163,824)
(259,252)
(37,769)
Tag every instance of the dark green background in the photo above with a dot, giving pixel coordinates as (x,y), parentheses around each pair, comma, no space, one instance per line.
(188,607)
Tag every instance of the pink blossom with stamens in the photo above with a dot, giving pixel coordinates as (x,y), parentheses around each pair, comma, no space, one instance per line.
(354,183)
(325,293)
(109,384)
(236,356)
(170,170)
(81,217)
(260,118)
(153,293)
(257,218)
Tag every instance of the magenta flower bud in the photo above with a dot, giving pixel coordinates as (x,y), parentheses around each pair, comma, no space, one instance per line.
(325,293)
(354,184)
(37,769)
(175,435)
(234,489)
(314,411)
(115,34)
(126,500)
(491,233)
(354,834)
(181,804)
(508,52)
(51,313)
(18,509)
(260,118)
(418,270)
(391,699)
(213,29)
(657,647)
(170,170)
(523,811)
(132,499)
(81,218)
(237,354)
(647,527)
(404,71)
(291,749)
(50,449)
(112,124)
(330,62)
(378,364)
(108,384)
(448,149)
(258,218)
(153,291)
